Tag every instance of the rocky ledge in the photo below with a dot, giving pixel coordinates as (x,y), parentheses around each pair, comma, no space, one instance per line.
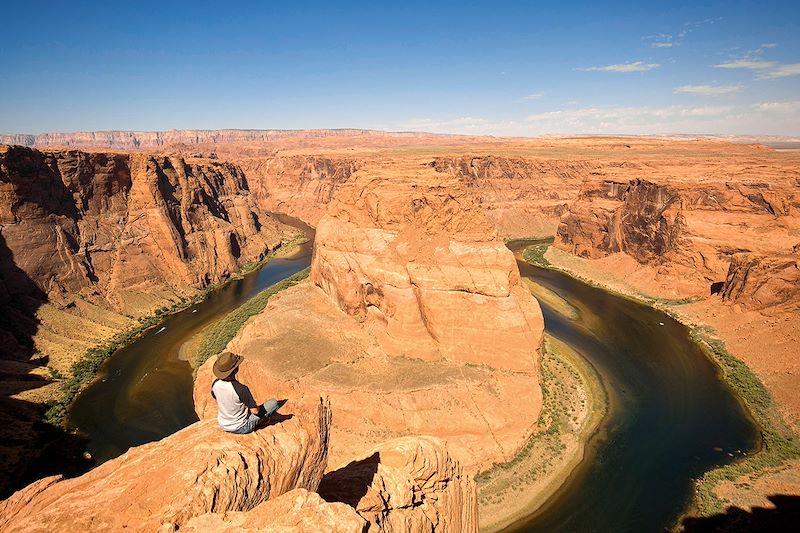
(202,479)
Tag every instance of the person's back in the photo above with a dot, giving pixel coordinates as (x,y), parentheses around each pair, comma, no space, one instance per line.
(232,413)
(237,410)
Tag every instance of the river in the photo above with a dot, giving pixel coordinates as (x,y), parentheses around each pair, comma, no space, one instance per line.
(144,391)
(670,416)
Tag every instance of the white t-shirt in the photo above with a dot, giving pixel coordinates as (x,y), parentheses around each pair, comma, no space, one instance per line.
(233,402)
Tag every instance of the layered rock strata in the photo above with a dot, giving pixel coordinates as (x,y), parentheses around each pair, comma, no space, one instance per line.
(761,282)
(91,241)
(202,479)
(695,231)
(133,140)
(415,323)
(198,470)
(523,197)
(298,511)
(127,227)
(300,186)
(408,484)
(419,258)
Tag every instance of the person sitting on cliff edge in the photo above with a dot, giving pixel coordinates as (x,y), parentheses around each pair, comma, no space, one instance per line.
(237,410)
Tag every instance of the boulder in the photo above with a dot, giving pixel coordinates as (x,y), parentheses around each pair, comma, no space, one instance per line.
(409,484)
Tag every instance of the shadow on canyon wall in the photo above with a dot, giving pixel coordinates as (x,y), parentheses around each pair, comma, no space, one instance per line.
(785,516)
(30,448)
(350,483)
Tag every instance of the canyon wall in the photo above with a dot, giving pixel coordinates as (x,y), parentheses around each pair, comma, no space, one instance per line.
(696,230)
(126,233)
(416,253)
(133,140)
(202,479)
(523,197)
(300,186)
(164,484)
(91,241)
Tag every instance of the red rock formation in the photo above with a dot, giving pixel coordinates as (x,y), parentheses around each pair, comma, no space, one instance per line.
(416,254)
(132,228)
(300,186)
(408,484)
(523,197)
(88,240)
(132,140)
(298,511)
(198,470)
(639,218)
(760,282)
(687,229)
(437,337)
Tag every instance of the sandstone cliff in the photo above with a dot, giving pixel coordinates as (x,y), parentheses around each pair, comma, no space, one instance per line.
(420,258)
(128,225)
(300,186)
(415,324)
(759,282)
(125,233)
(164,484)
(408,484)
(202,479)
(693,230)
(298,511)
(523,197)
(91,241)
(132,140)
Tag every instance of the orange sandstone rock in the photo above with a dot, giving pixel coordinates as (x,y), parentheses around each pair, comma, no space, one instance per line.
(198,470)
(415,253)
(298,511)
(409,484)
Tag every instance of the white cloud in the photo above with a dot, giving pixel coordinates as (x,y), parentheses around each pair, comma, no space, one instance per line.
(533,96)
(767,70)
(767,117)
(707,90)
(636,66)
(781,71)
(769,45)
(752,64)
(661,40)
(634,120)
(792,106)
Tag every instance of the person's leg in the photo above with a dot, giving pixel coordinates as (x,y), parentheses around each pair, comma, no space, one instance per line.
(249,425)
(268,408)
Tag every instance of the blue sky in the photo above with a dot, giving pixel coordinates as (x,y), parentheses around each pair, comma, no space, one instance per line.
(503,68)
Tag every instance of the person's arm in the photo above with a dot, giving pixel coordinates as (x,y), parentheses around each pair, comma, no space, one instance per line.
(246,397)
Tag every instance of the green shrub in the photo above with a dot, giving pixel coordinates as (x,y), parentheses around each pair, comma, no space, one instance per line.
(222,331)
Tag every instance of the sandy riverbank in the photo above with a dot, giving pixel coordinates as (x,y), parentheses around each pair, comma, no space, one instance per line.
(574,405)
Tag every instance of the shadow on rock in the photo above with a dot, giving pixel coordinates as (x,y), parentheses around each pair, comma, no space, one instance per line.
(350,483)
(275,419)
(31,449)
(785,516)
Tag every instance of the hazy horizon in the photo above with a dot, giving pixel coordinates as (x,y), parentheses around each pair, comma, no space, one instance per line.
(503,69)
